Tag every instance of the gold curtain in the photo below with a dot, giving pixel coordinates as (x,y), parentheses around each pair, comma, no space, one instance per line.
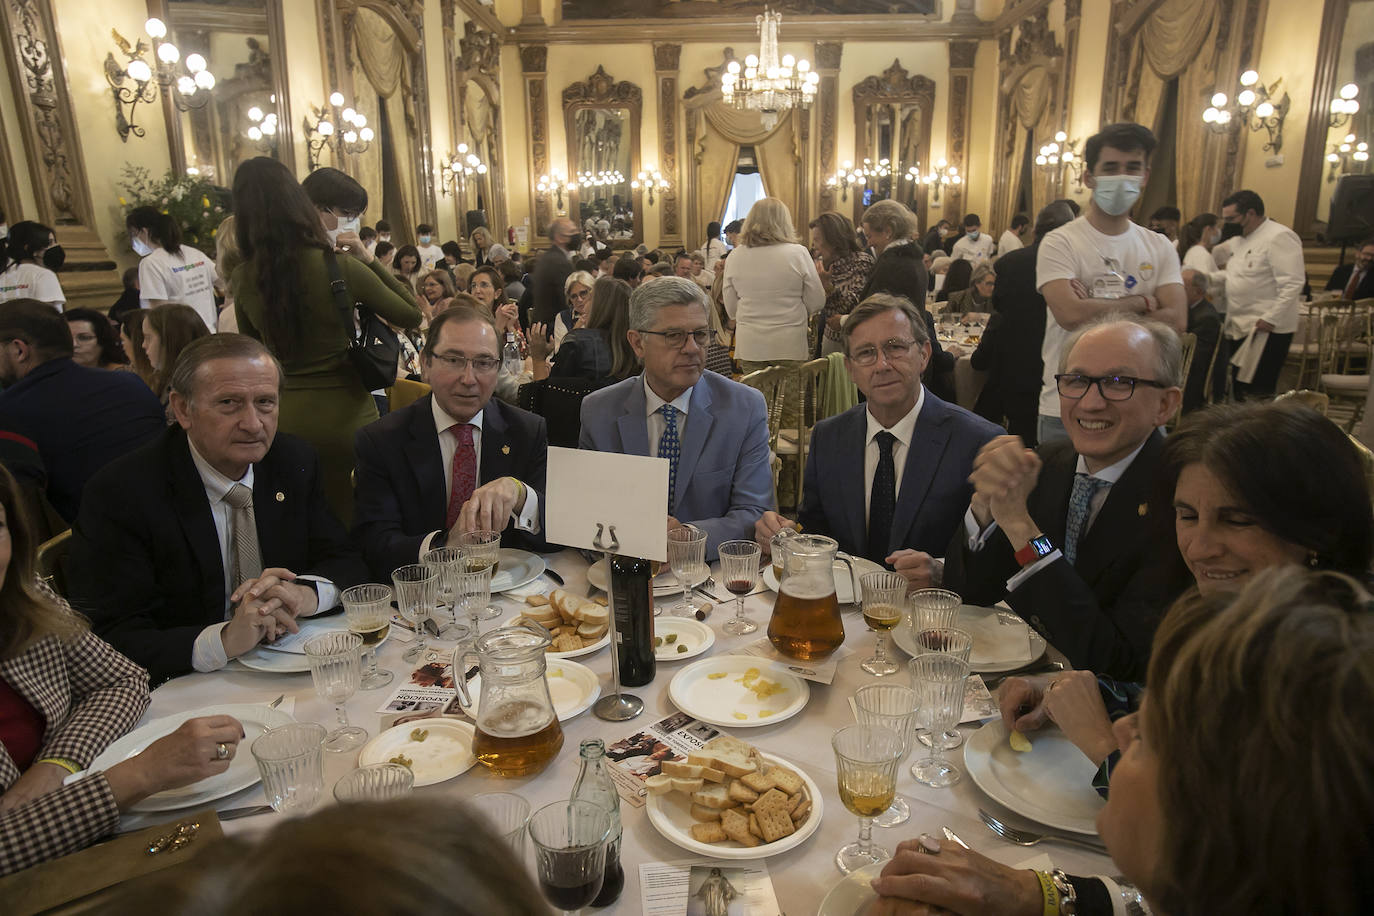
(1029,105)
(386,66)
(778,162)
(1174,33)
(716,159)
(721,131)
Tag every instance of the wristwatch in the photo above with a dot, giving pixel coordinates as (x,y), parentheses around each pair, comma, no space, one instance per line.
(1038,548)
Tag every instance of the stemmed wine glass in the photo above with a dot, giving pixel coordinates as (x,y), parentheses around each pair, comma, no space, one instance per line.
(892,707)
(939,682)
(415,587)
(866,758)
(335,665)
(884,595)
(448,563)
(687,558)
(739,567)
(482,550)
(947,641)
(570,847)
(367,608)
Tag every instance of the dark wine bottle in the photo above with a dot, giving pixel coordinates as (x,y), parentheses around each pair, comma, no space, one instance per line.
(632,591)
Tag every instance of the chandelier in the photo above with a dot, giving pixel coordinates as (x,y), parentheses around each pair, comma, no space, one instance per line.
(767,84)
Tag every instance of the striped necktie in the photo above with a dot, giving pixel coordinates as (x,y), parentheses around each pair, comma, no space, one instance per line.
(246,562)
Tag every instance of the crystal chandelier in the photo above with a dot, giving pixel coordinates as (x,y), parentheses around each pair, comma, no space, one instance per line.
(769,85)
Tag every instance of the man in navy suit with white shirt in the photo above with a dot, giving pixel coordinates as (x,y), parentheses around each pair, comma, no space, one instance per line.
(888,479)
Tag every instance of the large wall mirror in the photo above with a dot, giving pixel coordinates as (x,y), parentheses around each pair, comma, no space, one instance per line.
(892,119)
(603,157)
(243,42)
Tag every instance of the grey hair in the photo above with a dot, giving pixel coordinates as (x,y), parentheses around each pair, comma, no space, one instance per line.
(879,303)
(1197,279)
(578,276)
(1168,347)
(984,269)
(216,346)
(649,298)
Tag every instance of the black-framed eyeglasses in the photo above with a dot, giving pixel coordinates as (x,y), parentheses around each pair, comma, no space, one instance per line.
(581,294)
(893,350)
(1111,387)
(482,365)
(676,339)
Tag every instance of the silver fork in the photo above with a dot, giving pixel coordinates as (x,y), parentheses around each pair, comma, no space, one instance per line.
(1027,838)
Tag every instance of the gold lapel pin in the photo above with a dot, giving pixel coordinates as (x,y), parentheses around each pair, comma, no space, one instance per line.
(505,449)
(1142,509)
(281,497)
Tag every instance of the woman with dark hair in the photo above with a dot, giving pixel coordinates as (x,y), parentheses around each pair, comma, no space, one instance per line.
(29,256)
(843,268)
(436,294)
(587,352)
(171,271)
(714,247)
(93,340)
(1196,240)
(406,266)
(957,279)
(131,341)
(167,330)
(129,299)
(282,296)
(386,253)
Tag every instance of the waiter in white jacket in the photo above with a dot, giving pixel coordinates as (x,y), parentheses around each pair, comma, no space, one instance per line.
(1264,280)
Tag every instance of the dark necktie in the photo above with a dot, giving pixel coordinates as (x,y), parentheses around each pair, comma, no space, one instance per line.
(1080,508)
(669,447)
(882,501)
(464,471)
(1356,276)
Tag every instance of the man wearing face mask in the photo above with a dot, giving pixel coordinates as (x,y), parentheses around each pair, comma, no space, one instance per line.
(1102,262)
(431,255)
(383,231)
(974,245)
(551,272)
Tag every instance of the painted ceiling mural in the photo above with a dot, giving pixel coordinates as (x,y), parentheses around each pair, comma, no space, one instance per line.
(693,9)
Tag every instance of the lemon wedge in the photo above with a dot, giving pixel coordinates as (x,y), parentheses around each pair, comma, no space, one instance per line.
(1019,742)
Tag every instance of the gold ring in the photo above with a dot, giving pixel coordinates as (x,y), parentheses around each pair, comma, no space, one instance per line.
(221,751)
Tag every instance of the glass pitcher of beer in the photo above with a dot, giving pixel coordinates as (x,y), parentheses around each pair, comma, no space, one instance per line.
(806,620)
(517,729)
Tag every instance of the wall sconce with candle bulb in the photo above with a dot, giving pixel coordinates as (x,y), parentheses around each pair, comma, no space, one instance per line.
(554,183)
(1059,156)
(136,80)
(455,171)
(262,129)
(650,180)
(340,127)
(1254,106)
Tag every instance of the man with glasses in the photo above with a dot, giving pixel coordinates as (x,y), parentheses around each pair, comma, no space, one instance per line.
(888,479)
(1064,534)
(454,461)
(714,432)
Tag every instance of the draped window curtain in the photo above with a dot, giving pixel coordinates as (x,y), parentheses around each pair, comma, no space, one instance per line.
(721,131)
(1030,110)
(386,67)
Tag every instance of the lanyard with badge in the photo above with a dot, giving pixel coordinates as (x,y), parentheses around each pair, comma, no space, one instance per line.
(1111,284)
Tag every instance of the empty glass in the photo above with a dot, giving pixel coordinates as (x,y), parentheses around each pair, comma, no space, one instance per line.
(687,558)
(866,758)
(893,707)
(378,782)
(448,562)
(948,641)
(291,761)
(507,814)
(335,665)
(570,848)
(739,567)
(939,682)
(415,585)
(933,607)
(884,596)
(481,550)
(367,608)
(472,596)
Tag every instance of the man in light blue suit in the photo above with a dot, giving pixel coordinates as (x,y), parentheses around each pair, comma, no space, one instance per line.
(888,479)
(712,430)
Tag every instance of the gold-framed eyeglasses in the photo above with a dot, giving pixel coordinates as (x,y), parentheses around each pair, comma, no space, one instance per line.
(893,350)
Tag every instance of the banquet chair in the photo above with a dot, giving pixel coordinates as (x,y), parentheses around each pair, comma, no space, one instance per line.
(51,560)
(769,383)
(405,392)
(1344,354)
(797,441)
(1188,340)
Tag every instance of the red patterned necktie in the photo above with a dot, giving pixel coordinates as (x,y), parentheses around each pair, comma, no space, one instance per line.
(1355,277)
(464,470)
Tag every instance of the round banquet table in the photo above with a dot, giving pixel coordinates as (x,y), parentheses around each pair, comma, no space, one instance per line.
(801,876)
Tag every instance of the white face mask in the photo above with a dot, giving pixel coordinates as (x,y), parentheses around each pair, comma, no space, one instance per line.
(384,238)
(4,230)
(344,224)
(1116,194)
(141,248)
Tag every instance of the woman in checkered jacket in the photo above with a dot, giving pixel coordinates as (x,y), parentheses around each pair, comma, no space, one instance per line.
(65,694)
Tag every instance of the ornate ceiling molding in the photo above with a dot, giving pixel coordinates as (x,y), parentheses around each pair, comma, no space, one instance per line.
(745,30)
(895,85)
(602,89)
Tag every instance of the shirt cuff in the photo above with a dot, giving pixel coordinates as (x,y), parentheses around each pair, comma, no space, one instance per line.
(326,594)
(1021,578)
(208,652)
(528,519)
(977,537)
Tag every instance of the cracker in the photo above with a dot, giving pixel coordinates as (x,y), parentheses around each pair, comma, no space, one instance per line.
(774,823)
(742,793)
(601,600)
(736,827)
(757,781)
(754,826)
(567,642)
(537,600)
(800,813)
(709,833)
(700,813)
(773,799)
(785,779)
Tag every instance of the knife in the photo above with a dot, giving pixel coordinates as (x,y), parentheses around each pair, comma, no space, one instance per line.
(554,576)
(232,814)
(953,837)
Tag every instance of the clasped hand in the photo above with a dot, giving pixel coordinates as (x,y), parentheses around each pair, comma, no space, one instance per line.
(1004,474)
(265,608)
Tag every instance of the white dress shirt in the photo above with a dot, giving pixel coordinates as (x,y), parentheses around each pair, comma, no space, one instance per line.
(1264,280)
(1009,241)
(208,652)
(902,431)
(654,420)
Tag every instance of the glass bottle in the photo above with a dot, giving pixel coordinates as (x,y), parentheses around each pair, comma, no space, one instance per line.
(632,594)
(594,785)
(511,362)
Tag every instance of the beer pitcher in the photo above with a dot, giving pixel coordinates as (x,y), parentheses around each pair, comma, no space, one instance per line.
(517,728)
(806,620)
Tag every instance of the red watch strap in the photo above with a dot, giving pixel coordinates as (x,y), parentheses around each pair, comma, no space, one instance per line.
(1027,554)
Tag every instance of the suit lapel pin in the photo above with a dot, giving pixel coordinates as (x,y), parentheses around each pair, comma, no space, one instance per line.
(505,449)
(281,497)
(1142,509)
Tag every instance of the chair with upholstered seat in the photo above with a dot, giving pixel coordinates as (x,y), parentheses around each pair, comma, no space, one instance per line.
(405,392)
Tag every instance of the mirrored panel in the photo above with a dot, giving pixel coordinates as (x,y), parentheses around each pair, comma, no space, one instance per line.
(892,125)
(1350,131)
(602,119)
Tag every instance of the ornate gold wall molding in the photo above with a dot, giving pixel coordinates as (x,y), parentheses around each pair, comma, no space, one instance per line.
(894,88)
(961,59)
(533,64)
(476,59)
(828,54)
(666,63)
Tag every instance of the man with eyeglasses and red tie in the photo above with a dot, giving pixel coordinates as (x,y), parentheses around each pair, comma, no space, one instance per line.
(1065,534)
(454,461)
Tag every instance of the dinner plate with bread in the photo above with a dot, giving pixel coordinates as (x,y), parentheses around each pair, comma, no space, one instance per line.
(578,626)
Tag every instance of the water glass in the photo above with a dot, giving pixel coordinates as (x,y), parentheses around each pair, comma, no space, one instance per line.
(884,595)
(448,562)
(948,641)
(687,558)
(367,608)
(472,594)
(570,849)
(336,665)
(739,567)
(507,814)
(481,550)
(378,782)
(893,707)
(939,682)
(866,758)
(291,760)
(415,585)
(933,607)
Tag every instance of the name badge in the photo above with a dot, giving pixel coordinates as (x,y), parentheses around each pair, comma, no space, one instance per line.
(1109,286)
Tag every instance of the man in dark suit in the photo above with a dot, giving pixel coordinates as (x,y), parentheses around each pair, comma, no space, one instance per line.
(1356,280)
(1009,350)
(455,460)
(1065,535)
(888,479)
(1205,324)
(215,536)
(68,421)
(547,296)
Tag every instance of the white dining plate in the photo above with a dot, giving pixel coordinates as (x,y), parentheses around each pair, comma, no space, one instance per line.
(595,647)
(679,632)
(671,816)
(997,646)
(444,752)
(292,661)
(242,772)
(1050,784)
(844,585)
(572,687)
(725,690)
(852,893)
(665,583)
(516,568)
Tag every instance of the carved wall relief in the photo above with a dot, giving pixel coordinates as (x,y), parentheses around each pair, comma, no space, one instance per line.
(666,57)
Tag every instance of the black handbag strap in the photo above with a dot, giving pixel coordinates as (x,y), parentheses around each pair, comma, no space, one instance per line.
(342,299)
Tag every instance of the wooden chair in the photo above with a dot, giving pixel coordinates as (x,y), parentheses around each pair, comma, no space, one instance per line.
(1345,350)
(1189,342)
(405,392)
(769,383)
(809,412)
(51,560)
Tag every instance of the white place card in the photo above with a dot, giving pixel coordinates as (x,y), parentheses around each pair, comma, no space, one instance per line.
(585,488)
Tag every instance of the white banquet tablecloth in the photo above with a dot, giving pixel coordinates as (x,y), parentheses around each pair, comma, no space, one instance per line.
(801,876)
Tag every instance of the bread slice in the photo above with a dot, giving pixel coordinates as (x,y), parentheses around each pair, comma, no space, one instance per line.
(686,785)
(704,814)
(590,612)
(591,631)
(556,598)
(732,763)
(714,796)
(709,833)
(692,770)
(727,743)
(658,784)
(736,827)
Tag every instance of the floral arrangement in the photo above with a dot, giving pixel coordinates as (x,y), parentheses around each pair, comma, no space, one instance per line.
(197,204)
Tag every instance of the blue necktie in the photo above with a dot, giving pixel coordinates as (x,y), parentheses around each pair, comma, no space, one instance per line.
(669,447)
(1080,507)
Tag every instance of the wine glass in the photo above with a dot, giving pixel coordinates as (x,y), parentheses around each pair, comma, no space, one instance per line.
(335,664)
(291,762)
(570,848)
(687,558)
(866,758)
(884,596)
(415,586)
(891,707)
(739,567)
(378,782)
(939,682)
(472,592)
(367,608)
(448,563)
(482,549)
(949,641)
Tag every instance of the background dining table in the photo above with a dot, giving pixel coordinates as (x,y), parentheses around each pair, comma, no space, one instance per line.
(801,876)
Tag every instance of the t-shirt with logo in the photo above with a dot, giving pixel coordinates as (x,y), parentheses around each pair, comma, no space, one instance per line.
(1134,263)
(187,277)
(31,281)
(430,256)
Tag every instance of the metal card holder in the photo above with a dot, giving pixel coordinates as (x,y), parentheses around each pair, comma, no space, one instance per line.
(618,706)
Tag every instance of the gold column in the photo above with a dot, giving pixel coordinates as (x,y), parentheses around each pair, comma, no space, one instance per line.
(533,63)
(828,105)
(666,58)
(961,58)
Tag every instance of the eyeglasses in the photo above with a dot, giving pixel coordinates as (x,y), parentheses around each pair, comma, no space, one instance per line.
(580,295)
(676,339)
(893,350)
(1111,387)
(482,365)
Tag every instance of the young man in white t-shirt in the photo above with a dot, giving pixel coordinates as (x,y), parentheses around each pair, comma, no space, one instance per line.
(1102,262)
(431,255)
(1011,239)
(974,245)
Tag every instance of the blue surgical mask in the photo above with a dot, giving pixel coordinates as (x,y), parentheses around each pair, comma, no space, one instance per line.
(1115,195)
(973,235)
(141,248)
(425,239)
